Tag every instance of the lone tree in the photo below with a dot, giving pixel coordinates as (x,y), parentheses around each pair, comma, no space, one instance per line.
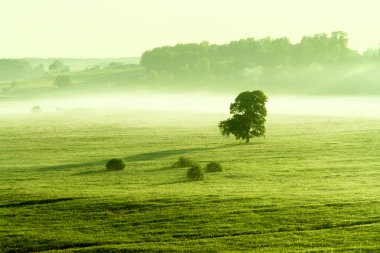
(248,118)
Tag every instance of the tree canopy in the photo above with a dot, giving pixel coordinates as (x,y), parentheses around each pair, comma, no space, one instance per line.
(190,58)
(317,64)
(248,118)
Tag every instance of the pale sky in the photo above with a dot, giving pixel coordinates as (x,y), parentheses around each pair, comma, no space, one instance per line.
(120,28)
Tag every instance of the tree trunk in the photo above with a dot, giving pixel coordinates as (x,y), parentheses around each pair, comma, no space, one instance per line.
(247,140)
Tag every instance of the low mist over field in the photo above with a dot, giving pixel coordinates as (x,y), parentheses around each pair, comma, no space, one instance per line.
(362,106)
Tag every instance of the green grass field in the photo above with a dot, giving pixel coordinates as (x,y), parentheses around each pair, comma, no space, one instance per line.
(313,184)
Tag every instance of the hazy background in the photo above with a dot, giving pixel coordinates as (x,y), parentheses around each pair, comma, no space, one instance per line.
(310,57)
(196,103)
(119,28)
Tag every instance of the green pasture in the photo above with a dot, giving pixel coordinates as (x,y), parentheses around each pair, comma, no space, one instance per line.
(312,184)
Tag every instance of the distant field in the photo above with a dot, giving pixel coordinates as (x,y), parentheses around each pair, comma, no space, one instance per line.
(313,184)
(83,82)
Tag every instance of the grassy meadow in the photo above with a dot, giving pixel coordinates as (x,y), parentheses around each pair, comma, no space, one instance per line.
(312,185)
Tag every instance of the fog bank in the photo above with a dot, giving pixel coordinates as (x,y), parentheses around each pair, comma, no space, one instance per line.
(202,103)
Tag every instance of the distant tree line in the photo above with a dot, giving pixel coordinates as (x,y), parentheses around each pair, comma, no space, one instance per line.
(202,61)
(12,68)
(16,69)
(58,67)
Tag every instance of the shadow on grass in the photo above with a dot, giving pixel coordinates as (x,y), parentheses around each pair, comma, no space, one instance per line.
(91,172)
(173,152)
(166,168)
(134,158)
(163,154)
(72,165)
(36,202)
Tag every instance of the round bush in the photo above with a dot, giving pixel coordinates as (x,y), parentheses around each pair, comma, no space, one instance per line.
(184,161)
(62,81)
(115,164)
(214,167)
(195,173)
(36,108)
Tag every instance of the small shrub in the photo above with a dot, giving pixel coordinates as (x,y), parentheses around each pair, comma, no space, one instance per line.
(115,164)
(36,108)
(62,81)
(195,173)
(214,167)
(184,161)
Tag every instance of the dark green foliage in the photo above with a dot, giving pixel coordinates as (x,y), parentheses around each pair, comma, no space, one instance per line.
(248,118)
(184,161)
(214,167)
(115,164)
(62,81)
(195,173)
(197,61)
